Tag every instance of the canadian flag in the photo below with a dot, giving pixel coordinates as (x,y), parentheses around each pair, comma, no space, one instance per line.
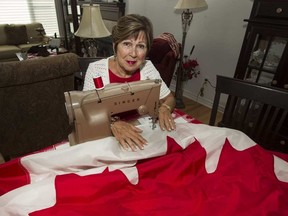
(195,170)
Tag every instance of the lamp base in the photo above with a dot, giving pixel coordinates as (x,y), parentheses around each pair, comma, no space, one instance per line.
(179,103)
(89,48)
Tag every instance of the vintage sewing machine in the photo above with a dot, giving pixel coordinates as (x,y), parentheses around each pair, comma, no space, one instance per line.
(90,112)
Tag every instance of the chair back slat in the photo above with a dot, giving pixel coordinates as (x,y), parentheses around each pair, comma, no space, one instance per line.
(242,110)
(282,119)
(254,118)
(269,121)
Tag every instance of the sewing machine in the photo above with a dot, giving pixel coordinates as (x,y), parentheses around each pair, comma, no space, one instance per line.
(90,112)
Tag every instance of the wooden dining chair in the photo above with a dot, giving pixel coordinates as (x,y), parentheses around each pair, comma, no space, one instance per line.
(258,110)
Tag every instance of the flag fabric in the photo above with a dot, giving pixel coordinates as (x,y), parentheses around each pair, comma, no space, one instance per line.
(195,170)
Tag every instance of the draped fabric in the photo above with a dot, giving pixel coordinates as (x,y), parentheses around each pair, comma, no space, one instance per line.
(172,43)
(195,170)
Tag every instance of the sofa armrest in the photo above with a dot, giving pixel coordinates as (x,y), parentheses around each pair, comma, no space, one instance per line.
(33,114)
(163,58)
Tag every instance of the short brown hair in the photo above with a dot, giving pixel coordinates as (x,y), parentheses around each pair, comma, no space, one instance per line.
(131,25)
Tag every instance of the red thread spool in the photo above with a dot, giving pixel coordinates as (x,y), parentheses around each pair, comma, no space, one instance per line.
(98,83)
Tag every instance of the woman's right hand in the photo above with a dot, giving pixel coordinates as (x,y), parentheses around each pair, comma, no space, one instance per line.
(128,136)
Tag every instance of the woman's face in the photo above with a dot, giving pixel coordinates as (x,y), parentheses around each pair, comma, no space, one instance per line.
(131,53)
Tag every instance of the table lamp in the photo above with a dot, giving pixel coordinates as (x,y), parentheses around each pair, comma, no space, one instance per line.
(186,17)
(91,27)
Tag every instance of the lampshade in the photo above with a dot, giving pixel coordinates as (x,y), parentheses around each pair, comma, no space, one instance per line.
(190,4)
(92,25)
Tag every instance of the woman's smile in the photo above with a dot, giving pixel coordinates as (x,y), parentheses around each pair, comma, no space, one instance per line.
(131,62)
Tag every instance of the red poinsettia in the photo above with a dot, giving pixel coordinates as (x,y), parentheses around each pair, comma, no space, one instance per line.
(190,68)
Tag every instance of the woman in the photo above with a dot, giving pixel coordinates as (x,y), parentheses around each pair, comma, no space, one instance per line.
(132,39)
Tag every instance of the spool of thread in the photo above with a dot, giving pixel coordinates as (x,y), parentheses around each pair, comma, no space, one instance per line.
(98,83)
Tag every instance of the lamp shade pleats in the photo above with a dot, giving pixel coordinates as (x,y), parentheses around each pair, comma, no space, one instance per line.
(92,25)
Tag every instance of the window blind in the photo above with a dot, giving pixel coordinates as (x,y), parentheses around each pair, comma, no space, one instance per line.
(27,11)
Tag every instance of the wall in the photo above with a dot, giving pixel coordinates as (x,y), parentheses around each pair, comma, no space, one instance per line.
(217,33)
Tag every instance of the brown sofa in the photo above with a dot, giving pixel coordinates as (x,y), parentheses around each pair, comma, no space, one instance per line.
(32,109)
(18,39)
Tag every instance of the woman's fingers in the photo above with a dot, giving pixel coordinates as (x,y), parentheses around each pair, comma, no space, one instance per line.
(128,136)
(166,120)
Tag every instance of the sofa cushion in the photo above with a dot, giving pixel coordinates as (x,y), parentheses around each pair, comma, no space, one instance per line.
(3,38)
(34,36)
(26,47)
(16,34)
(8,51)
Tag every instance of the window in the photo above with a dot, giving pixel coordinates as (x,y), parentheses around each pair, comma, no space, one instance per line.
(27,11)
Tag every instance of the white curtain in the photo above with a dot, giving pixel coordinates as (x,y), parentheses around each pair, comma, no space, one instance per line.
(26,11)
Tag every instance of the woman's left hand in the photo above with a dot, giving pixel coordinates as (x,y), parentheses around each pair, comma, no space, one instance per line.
(166,120)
